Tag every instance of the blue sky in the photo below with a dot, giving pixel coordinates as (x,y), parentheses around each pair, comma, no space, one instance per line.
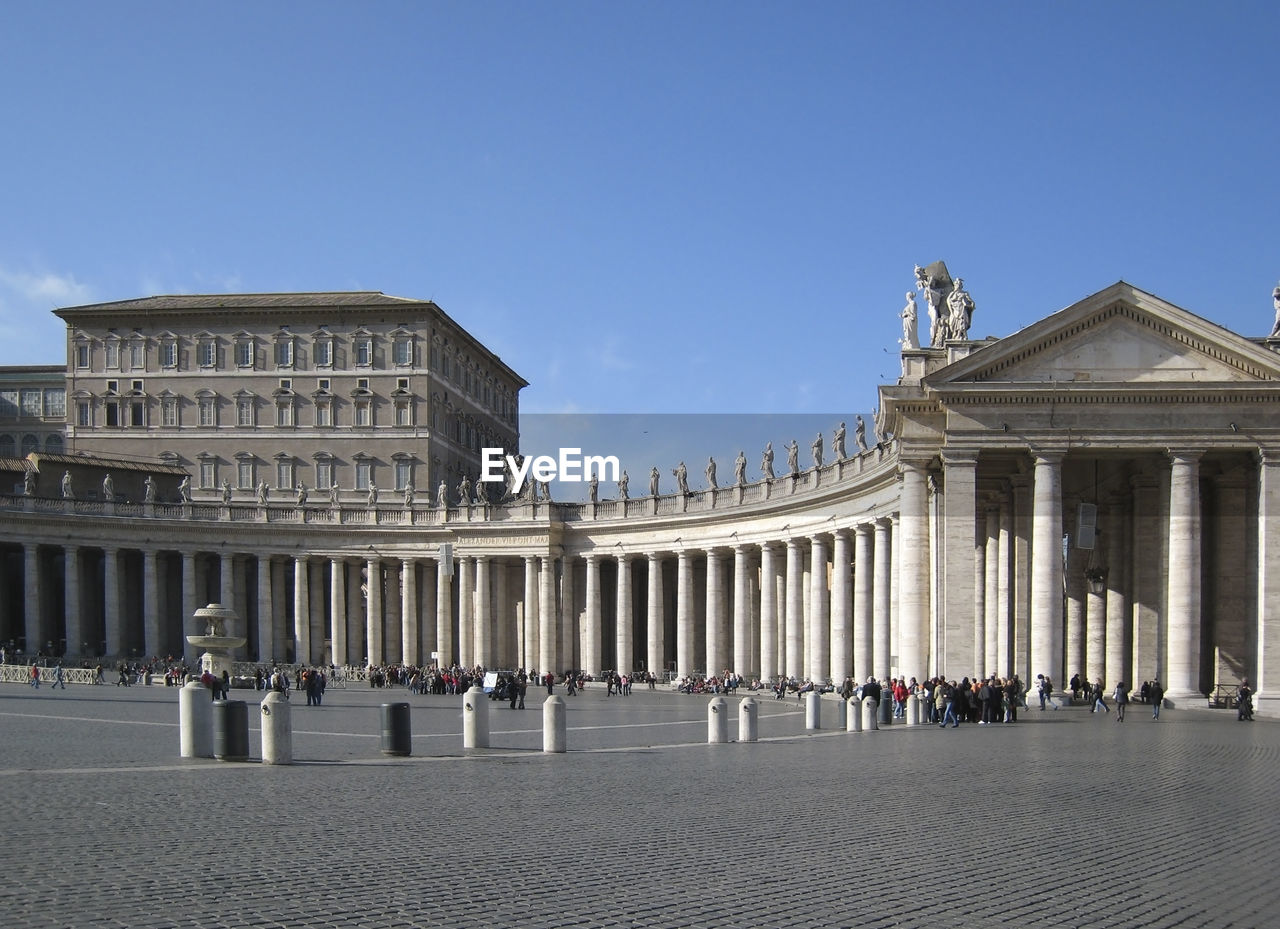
(659,207)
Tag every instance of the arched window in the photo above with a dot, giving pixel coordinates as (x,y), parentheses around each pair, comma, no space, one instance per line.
(53,444)
(29,444)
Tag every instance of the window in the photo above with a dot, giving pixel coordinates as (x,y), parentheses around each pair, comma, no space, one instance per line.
(284,352)
(404,412)
(113,387)
(285,473)
(29,444)
(169,411)
(324,473)
(324,411)
(244,473)
(402,383)
(363,412)
(8,403)
(362,383)
(322,383)
(244,412)
(404,474)
(402,351)
(286,383)
(137,354)
(208,411)
(84,414)
(169,353)
(82,356)
(31,405)
(207,353)
(322,352)
(136,385)
(137,413)
(364,351)
(113,355)
(364,474)
(284,412)
(244,353)
(208,473)
(55,402)
(6,446)
(53,444)
(113,412)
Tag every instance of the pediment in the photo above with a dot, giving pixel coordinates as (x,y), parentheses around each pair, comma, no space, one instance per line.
(1121,335)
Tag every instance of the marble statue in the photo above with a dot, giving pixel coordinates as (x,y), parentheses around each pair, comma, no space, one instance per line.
(593,488)
(226,491)
(711,473)
(263,493)
(67,492)
(333,494)
(793,458)
(1275,298)
(108,489)
(408,494)
(464,491)
(482,493)
(29,484)
(300,493)
(960,311)
(681,474)
(653,482)
(545,487)
(815,449)
(766,463)
(860,434)
(442,495)
(373,494)
(837,443)
(623,482)
(184,489)
(740,468)
(149,490)
(910,324)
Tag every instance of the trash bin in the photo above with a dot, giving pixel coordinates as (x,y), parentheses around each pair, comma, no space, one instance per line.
(396,738)
(230,730)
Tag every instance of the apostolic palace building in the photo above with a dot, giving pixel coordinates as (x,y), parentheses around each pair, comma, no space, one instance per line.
(1098,493)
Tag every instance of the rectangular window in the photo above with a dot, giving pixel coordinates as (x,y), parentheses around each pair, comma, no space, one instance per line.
(324,416)
(208,475)
(113,356)
(208,354)
(82,357)
(324,474)
(402,415)
(169,354)
(404,474)
(403,352)
(402,383)
(284,474)
(364,352)
(323,353)
(84,414)
(244,413)
(364,474)
(137,413)
(113,413)
(55,402)
(322,383)
(362,383)
(113,387)
(31,405)
(8,403)
(244,354)
(286,383)
(137,355)
(135,385)
(244,475)
(208,411)
(284,414)
(284,353)
(169,411)
(363,417)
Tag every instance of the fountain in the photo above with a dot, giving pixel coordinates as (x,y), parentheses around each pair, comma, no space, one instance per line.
(217,645)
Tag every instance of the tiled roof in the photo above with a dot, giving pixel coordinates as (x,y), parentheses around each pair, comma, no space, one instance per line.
(179,302)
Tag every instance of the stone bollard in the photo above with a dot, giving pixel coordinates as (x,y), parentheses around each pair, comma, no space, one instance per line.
(813,710)
(853,715)
(230,730)
(195,718)
(840,715)
(397,737)
(870,721)
(717,720)
(913,710)
(475,718)
(555,728)
(748,720)
(277,729)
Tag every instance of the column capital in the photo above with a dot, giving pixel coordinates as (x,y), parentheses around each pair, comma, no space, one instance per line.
(1185,454)
(1049,455)
(590,557)
(959,457)
(919,465)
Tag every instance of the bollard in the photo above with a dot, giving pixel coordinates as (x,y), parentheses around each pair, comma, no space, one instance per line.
(869,716)
(195,718)
(277,729)
(913,710)
(886,710)
(397,738)
(717,720)
(230,730)
(813,710)
(748,720)
(841,716)
(853,715)
(475,719)
(555,729)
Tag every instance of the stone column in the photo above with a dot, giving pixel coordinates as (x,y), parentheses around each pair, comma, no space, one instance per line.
(547,614)
(1184,577)
(567,618)
(740,661)
(591,649)
(393,624)
(991,594)
(656,632)
(1077,593)
(111,602)
(444,615)
(301,610)
(280,628)
(529,650)
(428,627)
(1004,626)
(684,614)
(624,661)
(227,580)
(1147,586)
(882,583)
(373,610)
(466,612)
(1117,608)
(152,633)
(841,615)
(1267,697)
(769,664)
(913,582)
(960,583)
(410,646)
(485,651)
(71,596)
(819,613)
(33,609)
(264,611)
(864,649)
(337,610)
(190,605)
(1046,567)
(1095,626)
(717,653)
(1020,582)
(794,615)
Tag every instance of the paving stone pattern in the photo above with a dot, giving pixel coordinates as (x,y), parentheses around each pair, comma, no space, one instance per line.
(1063,820)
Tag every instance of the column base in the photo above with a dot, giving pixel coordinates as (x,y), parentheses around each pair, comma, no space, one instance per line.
(1185,699)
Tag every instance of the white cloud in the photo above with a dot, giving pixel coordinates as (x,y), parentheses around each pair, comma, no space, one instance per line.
(42,290)
(29,332)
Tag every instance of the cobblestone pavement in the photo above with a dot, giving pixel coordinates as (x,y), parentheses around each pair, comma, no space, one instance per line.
(1064,820)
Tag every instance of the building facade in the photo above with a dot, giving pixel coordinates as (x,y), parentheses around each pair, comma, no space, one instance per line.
(33,410)
(1098,494)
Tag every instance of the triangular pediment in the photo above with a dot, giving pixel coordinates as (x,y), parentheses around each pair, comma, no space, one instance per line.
(1120,335)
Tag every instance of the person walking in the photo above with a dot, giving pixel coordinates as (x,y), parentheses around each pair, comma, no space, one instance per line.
(35,675)
(58,680)
(1121,697)
(1157,698)
(1098,700)
(1244,702)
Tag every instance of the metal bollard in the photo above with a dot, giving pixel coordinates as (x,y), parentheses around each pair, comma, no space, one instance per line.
(195,720)
(475,718)
(870,721)
(230,730)
(748,720)
(913,710)
(397,738)
(277,729)
(555,728)
(886,710)
(853,715)
(717,720)
(813,710)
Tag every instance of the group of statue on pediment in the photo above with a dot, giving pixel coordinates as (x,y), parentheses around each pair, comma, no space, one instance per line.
(950,308)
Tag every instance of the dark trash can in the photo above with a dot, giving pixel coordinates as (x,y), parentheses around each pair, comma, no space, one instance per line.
(886,708)
(396,738)
(230,730)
